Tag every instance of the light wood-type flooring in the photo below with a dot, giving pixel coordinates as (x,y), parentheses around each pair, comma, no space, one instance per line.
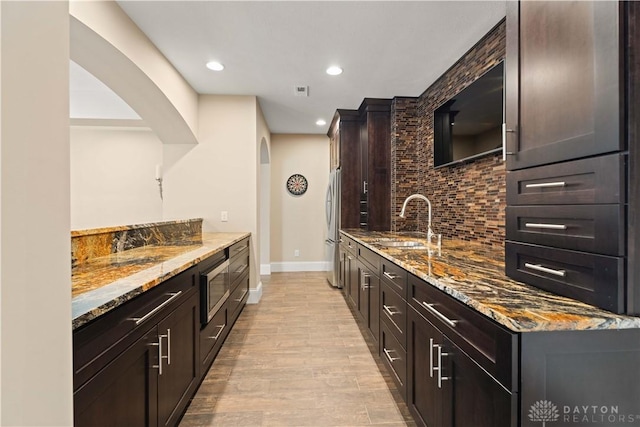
(298,358)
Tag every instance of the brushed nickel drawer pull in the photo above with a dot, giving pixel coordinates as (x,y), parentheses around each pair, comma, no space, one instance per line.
(388,354)
(388,308)
(537,267)
(390,275)
(349,257)
(241,269)
(442,317)
(140,320)
(547,184)
(547,226)
(219,332)
(243,294)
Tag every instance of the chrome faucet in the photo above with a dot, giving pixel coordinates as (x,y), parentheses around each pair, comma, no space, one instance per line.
(430,232)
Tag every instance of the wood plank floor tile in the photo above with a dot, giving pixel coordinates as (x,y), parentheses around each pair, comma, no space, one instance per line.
(298,358)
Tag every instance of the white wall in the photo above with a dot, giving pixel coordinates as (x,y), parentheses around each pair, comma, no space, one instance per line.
(35,268)
(220,172)
(113,176)
(298,222)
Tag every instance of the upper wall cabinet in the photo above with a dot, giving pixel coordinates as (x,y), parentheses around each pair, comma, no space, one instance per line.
(563,84)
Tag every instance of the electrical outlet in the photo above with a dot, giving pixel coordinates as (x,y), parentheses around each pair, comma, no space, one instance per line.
(224,216)
(296,253)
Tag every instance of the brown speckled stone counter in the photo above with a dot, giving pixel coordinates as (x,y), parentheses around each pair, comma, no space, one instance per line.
(474,275)
(103,283)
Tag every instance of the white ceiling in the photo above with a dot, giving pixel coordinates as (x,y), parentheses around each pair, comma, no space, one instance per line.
(386,48)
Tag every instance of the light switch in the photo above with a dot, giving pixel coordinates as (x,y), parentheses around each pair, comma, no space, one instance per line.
(224,216)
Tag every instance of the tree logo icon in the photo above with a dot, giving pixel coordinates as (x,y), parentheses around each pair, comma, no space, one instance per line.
(543,410)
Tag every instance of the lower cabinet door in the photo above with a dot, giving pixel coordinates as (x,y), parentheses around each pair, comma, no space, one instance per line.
(179,339)
(125,392)
(429,401)
(374,306)
(478,399)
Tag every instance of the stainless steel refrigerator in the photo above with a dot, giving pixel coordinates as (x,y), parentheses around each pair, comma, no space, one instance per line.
(332,206)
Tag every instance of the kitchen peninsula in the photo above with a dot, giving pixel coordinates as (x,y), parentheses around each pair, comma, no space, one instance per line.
(455,331)
(141,336)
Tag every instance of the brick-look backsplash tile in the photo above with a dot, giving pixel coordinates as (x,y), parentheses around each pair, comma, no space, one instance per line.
(468,199)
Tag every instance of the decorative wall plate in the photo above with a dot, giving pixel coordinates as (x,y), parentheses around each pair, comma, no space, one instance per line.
(297,184)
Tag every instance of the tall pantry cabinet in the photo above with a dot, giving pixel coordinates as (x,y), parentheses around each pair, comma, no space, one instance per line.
(360,145)
(571,89)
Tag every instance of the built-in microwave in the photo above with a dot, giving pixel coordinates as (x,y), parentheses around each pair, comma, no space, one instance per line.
(214,289)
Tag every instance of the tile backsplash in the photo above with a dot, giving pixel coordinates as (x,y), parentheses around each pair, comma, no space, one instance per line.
(468,199)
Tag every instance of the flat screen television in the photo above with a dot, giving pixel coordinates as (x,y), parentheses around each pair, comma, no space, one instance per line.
(469,125)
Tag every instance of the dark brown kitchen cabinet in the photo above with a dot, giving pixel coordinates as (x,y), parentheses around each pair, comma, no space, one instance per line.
(569,119)
(375,158)
(360,141)
(344,137)
(563,81)
(149,382)
(447,388)
(178,334)
(350,286)
(124,392)
(369,290)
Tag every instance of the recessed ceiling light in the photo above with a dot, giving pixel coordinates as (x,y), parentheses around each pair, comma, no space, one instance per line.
(215,66)
(334,70)
(321,122)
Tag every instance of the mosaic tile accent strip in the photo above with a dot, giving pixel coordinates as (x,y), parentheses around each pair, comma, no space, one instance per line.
(99,242)
(468,199)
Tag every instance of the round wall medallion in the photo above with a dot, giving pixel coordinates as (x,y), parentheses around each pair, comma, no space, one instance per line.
(297,184)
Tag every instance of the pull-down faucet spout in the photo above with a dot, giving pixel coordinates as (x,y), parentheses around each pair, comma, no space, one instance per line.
(430,232)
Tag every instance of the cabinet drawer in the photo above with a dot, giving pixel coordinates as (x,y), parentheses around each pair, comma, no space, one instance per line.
(594,279)
(238,247)
(394,357)
(349,243)
(589,228)
(212,336)
(393,311)
(489,344)
(100,341)
(238,297)
(598,180)
(239,266)
(369,257)
(395,276)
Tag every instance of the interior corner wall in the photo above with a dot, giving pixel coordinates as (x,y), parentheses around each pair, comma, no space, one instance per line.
(35,271)
(298,222)
(469,198)
(219,173)
(113,176)
(263,184)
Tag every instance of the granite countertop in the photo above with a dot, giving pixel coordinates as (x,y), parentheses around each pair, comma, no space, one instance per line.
(106,282)
(474,275)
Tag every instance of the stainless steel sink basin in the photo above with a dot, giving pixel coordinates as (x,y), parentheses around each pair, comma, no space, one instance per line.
(401,243)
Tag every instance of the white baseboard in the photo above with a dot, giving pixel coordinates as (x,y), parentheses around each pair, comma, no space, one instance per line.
(255,294)
(265,269)
(281,267)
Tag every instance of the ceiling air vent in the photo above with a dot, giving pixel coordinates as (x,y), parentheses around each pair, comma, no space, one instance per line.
(301,90)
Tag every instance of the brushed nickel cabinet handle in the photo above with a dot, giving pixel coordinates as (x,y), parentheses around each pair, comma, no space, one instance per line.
(390,275)
(441,316)
(388,354)
(142,319)
(160,357)
(243,294)
(388,308)
(547,226)
(241,269)
(168,346)
(216,336)
(538,267)
(546,184)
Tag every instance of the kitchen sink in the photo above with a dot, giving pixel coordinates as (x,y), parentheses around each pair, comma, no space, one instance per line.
(401,243)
